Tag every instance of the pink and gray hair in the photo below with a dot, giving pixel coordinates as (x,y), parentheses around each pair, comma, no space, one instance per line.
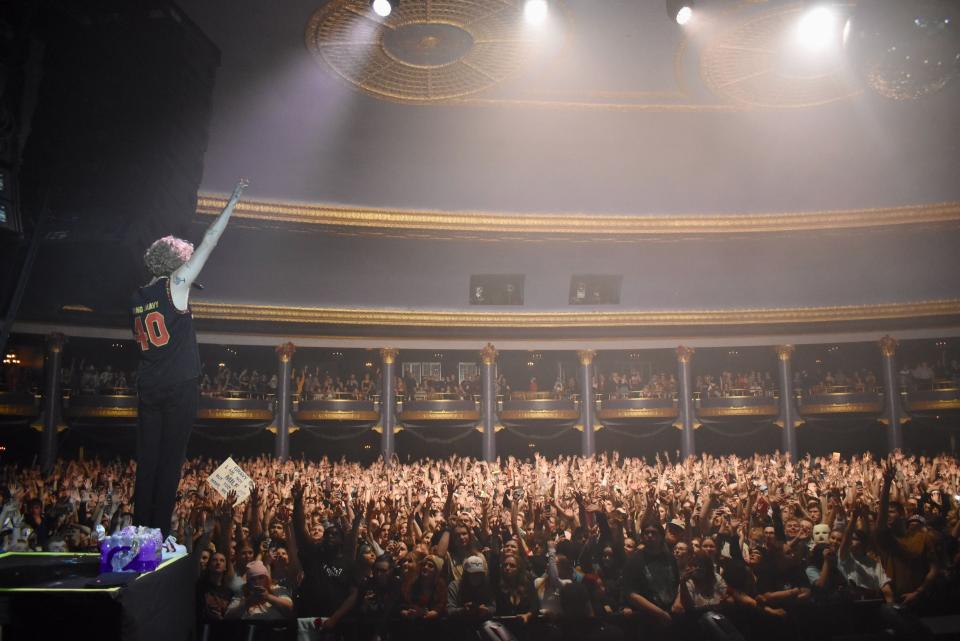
(167,254)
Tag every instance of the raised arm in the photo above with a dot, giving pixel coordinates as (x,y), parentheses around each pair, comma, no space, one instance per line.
(889,471)
(254,507)
(855,514)
(184,276)
(300,532)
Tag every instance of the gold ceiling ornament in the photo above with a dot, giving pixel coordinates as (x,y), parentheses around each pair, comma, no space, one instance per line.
(752,63)
(578,226)
(630,318)
(897,86)
(425,50)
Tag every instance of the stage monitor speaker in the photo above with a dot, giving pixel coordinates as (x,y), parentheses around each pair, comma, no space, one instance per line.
(595,289)
(496,289)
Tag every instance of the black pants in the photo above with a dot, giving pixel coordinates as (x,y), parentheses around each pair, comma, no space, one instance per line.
(166,417)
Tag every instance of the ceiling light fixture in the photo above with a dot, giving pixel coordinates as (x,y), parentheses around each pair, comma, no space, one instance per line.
(535,11)
(680,10)
(817,29)
(383,8)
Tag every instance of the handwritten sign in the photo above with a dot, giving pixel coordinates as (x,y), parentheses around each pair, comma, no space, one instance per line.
(230,476)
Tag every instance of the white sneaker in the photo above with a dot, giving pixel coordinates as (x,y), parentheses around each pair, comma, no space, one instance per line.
(172,549)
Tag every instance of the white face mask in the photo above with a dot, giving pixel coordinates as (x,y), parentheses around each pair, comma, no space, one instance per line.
(821,533)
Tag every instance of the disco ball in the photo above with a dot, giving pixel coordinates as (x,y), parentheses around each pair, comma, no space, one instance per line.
(905,49)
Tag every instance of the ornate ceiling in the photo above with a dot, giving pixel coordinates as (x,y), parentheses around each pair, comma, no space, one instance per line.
(425,51)
(609,108)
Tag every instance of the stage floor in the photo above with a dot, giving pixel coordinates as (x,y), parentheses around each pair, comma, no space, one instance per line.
(49,596)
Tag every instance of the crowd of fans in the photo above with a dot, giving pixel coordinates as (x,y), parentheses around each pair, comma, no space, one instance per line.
(610,385)
(862,380)
(90,380)
(752,383)
(665,385)
(249,383)
(450,386)
(86,378)
(924,375)
(605,547)
(619,385)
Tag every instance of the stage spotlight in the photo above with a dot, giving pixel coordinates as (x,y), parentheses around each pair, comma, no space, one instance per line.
(680,10)
(535,11)
(817,29)
(383,7)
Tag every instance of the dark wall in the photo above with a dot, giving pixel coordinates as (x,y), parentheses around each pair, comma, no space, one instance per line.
(116,147)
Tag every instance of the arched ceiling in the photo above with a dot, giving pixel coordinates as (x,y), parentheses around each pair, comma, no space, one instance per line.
(609,109)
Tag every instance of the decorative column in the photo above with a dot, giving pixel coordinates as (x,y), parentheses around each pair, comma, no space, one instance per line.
(588,444)
(789,416)
(687,447)
(488,381)
(282,417)
(51,401)
(388,403)
(893,416)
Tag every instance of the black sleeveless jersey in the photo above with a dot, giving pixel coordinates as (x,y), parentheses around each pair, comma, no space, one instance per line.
(165,335)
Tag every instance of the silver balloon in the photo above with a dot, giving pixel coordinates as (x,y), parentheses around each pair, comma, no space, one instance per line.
(905,49)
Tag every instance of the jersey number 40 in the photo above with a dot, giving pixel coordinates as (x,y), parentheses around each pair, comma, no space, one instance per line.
(151,330)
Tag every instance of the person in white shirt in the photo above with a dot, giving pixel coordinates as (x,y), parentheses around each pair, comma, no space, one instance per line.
(863,572)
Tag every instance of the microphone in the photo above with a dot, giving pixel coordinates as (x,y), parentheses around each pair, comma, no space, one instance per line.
(196,284)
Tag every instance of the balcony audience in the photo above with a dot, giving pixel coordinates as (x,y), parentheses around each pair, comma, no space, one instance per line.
(311,384)
(924,376)
(752,383)
(618,385)
(409,388)
(857,381)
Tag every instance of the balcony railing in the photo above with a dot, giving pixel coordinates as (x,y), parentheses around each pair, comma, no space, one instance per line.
(320,410)
(842,399)
(943,396)
(439,409)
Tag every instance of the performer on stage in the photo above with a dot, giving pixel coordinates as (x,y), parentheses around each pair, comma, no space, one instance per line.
(169,367)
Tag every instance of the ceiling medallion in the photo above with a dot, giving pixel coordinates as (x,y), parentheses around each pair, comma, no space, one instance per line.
(906,50)
(752,63)
(426,50)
